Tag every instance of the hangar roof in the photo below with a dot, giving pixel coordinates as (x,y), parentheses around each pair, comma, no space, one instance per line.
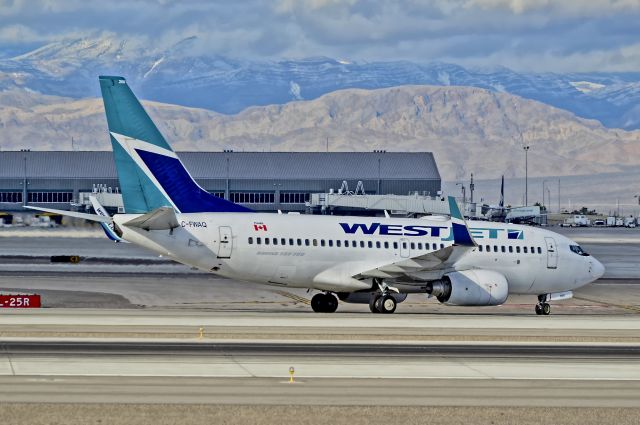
(241,165)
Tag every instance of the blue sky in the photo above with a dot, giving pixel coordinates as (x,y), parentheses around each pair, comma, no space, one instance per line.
(525,35)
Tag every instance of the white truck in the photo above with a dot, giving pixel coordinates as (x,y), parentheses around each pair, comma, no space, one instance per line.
(630,221)
(576,220)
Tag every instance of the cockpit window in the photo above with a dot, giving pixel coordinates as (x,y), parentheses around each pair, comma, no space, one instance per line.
(578,250)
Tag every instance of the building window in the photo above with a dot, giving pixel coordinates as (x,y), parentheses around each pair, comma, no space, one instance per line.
(50,197)
(218,194)
(252,197)
(11,197)
(294,197)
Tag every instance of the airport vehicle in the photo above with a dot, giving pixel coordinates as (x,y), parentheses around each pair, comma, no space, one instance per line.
(577,220)
(365,260)
(630,222)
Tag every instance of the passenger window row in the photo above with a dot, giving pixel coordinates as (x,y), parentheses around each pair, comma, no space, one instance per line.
(339,243)
(503,249)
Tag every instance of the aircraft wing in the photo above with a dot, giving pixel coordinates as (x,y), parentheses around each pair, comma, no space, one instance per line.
(431,265)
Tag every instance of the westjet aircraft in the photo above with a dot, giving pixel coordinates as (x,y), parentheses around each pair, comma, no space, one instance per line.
(361,260)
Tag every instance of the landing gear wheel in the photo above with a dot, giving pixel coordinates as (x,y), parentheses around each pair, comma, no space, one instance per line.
(331,303)
(386,304)
(317,302)
(546,309)
(372,303)
(324,303)
(538,309)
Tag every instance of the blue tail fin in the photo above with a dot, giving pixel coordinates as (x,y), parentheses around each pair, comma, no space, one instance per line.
(151,175)
(461,234)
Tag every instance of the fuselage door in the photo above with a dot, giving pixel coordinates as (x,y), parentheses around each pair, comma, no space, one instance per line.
(225,245)
(405,248)
(552,253)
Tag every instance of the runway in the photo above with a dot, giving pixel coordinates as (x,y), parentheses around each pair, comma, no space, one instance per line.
(125,338)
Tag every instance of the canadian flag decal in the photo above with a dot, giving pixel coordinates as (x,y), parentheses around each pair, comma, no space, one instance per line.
(259,226)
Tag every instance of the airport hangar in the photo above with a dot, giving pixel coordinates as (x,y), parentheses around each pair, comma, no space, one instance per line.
(263,181)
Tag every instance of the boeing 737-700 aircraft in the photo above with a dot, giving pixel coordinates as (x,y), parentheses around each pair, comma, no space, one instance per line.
(364,260)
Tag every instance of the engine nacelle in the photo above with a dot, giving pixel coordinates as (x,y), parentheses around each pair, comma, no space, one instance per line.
(364,297)
(470,288)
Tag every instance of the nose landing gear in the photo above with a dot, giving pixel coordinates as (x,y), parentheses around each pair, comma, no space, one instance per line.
(543,308)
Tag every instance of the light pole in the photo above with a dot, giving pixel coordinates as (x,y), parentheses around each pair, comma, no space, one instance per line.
(526,175)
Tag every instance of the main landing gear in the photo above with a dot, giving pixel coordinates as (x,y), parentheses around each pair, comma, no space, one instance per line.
(382,302)
(543,308)
(324,303)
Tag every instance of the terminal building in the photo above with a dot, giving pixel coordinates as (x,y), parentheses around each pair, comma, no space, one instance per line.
(262,181)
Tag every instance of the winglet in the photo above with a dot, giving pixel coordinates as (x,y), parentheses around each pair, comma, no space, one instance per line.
(461,234)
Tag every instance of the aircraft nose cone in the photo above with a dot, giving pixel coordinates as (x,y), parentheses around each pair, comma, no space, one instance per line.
(597,269)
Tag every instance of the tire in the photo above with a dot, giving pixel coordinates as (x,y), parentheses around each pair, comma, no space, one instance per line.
(546,309)
(372,303)
(538,309)
(387,304)
(317,303)
(331,303)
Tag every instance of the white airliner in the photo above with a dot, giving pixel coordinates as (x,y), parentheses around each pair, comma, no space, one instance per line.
(363,260)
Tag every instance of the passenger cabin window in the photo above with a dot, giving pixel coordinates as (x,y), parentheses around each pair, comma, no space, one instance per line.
(330,242)
(361,244)
(502,248)
(299,242)
(510,249)
(480,248)
(539,250)
(420,245)
(306,242)
(378,244)
(434,246)
(275,241)
(413,245)
(386,245)
(354,244)
(524,249)
(338,243)
(395,245)
(321,242)
(266,241)
(258,241)
(495,248)
(283,241)
(370,244)
(517,250)
(404,245)
(315,242)
(250,241)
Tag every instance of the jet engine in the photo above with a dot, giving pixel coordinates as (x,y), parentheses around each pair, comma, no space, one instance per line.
(470,288)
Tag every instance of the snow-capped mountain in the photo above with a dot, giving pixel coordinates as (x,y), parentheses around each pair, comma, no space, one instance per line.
(69,68)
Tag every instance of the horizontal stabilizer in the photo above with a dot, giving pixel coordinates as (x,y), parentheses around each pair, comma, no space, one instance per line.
(163,218)
(91,217)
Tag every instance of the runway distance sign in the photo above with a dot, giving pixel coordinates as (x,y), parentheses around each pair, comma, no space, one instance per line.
(20,301)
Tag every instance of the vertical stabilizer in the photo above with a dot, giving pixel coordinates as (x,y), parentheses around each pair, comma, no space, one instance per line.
(151,175)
